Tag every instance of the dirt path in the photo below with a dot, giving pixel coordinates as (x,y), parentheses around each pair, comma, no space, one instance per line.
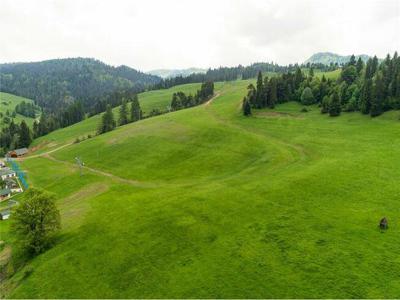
(103,173)
(212,99)
(44,153)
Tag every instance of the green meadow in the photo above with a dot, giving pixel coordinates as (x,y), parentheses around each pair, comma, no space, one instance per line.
(207,203)
(8,103)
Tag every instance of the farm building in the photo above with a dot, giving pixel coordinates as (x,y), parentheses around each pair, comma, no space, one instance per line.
(5,194)
(7,173)
(12,185)
(17,152)
(5,214)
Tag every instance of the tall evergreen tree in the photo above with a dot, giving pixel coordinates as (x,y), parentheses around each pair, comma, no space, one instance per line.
(366,96)
(352,61)
(359,65)
(25,137)
(259,92)
(123,113)
(272,93)
(246,107)
(136,112)
(107,121)
(377,95)
(334,105)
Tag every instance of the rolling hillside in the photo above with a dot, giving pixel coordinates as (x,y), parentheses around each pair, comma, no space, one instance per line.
(8,102)
(150,100)
(207,203)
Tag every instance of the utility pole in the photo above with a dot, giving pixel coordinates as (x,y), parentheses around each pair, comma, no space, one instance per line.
(80,164)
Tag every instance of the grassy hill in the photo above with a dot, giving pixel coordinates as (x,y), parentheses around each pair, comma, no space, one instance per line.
(8,102)
(206,203)
(159,99)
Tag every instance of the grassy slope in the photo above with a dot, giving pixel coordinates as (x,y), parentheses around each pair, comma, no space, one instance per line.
(278,205)
(12,101)
(159,99)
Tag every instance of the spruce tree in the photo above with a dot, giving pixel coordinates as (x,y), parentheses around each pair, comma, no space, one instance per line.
(107,121)
(311,72)
(123,113)
(352,61)
(377,95)
(359,65)
(365,97)
(25,137)
(246,107)
(136,112)
(272,93)
(259,92)
(334,105)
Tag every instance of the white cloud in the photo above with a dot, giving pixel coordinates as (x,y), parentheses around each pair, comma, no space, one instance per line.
(148,34)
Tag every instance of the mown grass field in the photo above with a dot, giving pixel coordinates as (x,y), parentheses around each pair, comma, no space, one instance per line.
(8,102)
(206,203)
(150,100)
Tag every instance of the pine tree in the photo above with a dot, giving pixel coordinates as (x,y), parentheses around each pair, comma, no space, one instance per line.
(365,97)
(251,95)
(107,121)
(352,61)
(334,105)
(272,93)
(377,95)
(123,113)
(136,112)
(25,137)
(259,91)
(325,104)
(359,65)
(246,107)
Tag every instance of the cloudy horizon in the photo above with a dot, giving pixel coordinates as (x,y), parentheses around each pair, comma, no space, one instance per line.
(179,34)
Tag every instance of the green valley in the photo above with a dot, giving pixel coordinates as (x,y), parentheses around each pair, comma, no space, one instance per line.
(207,203)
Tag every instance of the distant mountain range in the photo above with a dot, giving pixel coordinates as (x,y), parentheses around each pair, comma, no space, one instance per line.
(168,73)
(327,58)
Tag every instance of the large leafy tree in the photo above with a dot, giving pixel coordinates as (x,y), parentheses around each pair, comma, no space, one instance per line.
(35,221)
(307,97)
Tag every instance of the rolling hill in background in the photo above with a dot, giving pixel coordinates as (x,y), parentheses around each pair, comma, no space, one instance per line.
(53,84)
(327,58)
(207,203)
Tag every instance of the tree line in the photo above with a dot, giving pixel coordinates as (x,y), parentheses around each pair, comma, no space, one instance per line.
(15,136)
(26,109)
(133,114)
(180,100)
(370,88)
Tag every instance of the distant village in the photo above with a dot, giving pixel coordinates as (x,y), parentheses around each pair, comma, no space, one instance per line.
(10,184)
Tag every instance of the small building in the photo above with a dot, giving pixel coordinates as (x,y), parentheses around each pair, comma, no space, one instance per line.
(5,214)
(12,185)
(17,152)
(7,173)
(5,194)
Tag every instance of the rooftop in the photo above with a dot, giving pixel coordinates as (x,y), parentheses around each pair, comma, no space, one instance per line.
(5,192)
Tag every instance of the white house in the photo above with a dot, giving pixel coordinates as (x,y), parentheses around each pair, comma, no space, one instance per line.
(7,173)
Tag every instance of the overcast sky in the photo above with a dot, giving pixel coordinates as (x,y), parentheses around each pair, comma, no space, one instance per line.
(150,34)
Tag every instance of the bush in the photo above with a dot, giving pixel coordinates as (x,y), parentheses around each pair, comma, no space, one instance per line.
(304,109)
(307,97)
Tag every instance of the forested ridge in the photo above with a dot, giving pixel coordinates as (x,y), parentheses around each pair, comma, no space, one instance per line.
(55,84)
